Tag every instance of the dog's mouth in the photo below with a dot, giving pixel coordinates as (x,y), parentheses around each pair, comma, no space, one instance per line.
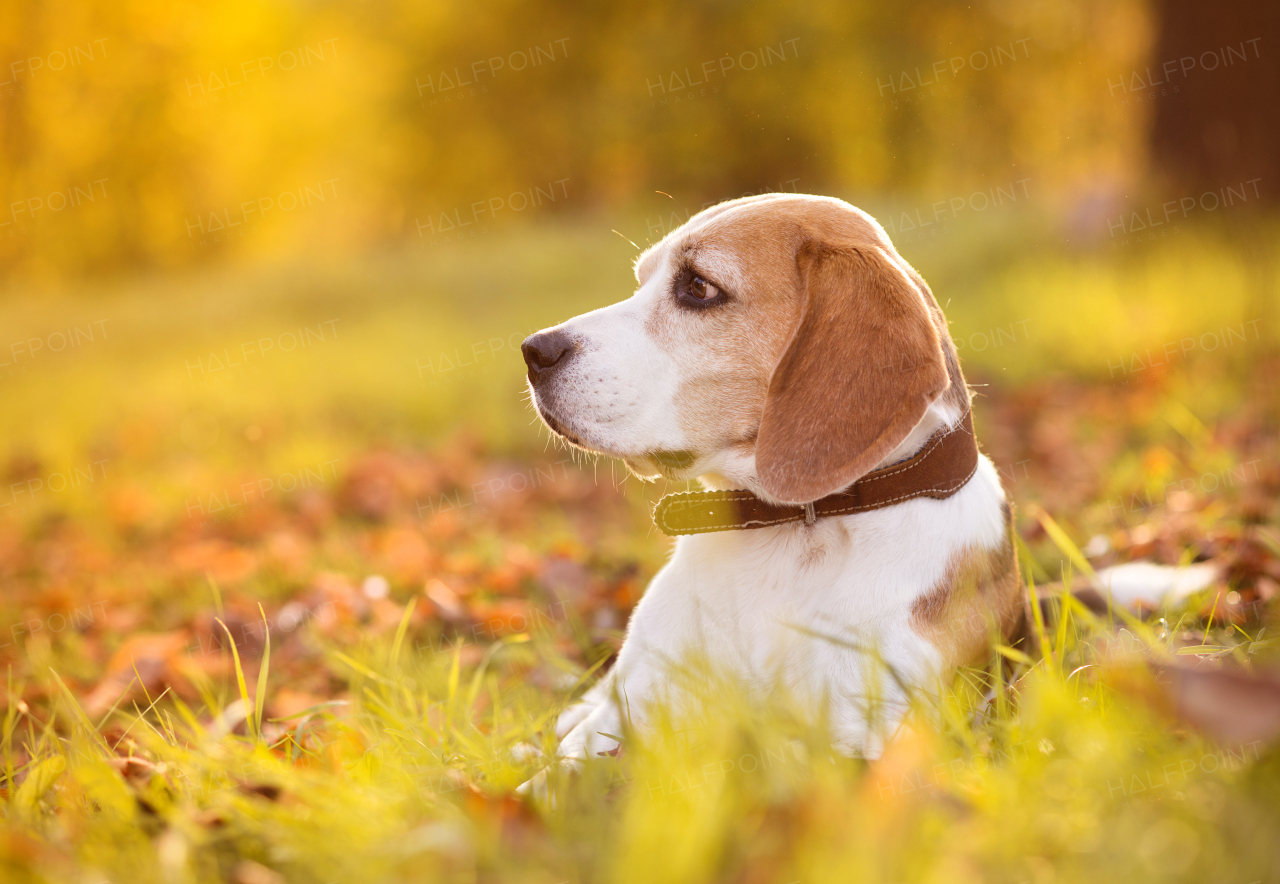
(670,464)
(559,428)
(674,461)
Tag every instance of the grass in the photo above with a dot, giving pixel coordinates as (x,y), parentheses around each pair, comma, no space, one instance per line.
(346,681)
(1067,772)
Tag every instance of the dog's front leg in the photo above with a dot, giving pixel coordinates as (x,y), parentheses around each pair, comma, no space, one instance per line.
(868,708)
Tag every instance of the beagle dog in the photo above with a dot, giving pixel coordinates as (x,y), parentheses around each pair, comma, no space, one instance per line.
(852,545)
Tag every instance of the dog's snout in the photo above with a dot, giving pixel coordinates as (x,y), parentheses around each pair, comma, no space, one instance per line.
(544,351)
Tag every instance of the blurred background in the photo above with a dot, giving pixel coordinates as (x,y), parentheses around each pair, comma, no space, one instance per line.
(265,269)
(264,272)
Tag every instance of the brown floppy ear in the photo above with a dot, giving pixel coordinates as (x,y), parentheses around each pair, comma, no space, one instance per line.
(862,365)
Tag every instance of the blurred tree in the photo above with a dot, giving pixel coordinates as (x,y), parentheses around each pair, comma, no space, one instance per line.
(1216,127)
(272,128)
(1223,125)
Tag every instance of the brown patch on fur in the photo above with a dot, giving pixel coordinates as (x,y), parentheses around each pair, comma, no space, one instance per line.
(980,585)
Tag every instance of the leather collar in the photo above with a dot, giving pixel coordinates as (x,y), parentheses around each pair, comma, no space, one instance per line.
(940,469)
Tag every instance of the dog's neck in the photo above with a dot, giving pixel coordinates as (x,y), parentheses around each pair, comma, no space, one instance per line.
(738,469)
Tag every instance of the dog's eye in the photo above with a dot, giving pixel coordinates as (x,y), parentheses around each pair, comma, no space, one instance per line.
(702,290)
(697,291)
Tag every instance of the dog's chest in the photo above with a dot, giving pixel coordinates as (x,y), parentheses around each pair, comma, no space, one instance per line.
(797,596)
(765,597)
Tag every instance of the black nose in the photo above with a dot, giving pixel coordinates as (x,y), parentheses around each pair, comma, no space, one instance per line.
(544,351)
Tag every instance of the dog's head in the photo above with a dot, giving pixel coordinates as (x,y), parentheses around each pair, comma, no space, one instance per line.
(776,341)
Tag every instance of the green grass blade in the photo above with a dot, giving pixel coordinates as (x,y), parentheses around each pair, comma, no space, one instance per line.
(79,714)
(240,682)
(260,694)
(360,667)
(1064,543)
(401,630)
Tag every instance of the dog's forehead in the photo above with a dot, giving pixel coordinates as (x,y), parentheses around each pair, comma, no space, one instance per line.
(768,227)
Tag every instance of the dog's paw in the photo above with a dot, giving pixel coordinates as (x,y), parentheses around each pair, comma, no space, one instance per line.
(596,734)
(591,737)
(590,728)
